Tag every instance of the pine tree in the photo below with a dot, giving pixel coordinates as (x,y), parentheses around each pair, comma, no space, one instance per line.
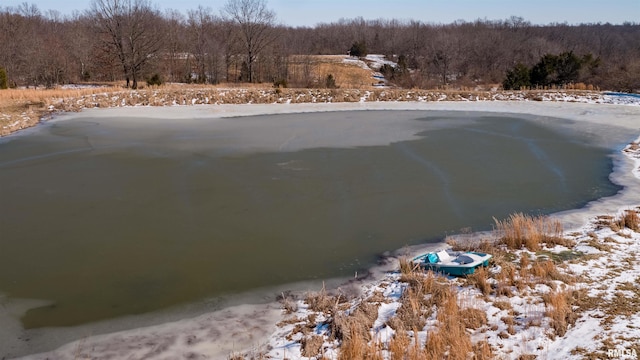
(358,49)
(543,73)
(518,78)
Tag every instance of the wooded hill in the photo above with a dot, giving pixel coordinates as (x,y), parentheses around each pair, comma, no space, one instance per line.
(129,40)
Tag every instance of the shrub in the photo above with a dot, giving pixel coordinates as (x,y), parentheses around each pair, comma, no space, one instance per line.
(330,82)
(551,70)
(86,75)
(358,49)
(518,78)
(388,71)
(280,83)
(155,79)
(3,78)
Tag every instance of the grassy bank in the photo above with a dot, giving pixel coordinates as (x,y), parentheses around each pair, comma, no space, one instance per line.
(22,108)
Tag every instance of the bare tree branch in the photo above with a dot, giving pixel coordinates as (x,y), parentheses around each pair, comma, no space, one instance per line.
(130,29)
(256,25)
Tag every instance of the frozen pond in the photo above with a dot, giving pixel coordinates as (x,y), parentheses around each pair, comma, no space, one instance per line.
(106,216)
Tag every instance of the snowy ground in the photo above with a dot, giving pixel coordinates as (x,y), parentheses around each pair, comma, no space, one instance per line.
(373,62)
(216,335)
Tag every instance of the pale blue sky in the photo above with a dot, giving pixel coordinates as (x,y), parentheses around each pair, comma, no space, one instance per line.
(311,12)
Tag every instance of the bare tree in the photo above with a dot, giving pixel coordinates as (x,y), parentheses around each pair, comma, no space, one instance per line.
(256,25)
(175,45)
(46,48)
(128,29)
(199,24)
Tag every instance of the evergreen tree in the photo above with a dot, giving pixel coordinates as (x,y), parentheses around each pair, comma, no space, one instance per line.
(560,69)
(518,78)
(567,68)
(543,73)
(358,49)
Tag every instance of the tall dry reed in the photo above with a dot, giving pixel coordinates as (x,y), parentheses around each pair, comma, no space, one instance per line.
(521,230)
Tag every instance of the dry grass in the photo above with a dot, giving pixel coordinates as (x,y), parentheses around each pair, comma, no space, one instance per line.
(629,219)
(25,107)
(407,268)
(312,345)
(502,305)
(352,330)
(450,336)
(357,323)
(479,279)
(44,96)
(324,302)
(288,302)
(482,245)
(399,345)
(560,310)
(22,108)
(346,75)
(521,230)
(424,291)
(546,270)
(309,71)
(450,339)
(482,351)
(595,243)
(473,318)
(412,312)
(357,348)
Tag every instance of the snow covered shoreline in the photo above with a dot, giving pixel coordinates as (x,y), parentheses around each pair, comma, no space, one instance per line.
(162,97)
(180,339)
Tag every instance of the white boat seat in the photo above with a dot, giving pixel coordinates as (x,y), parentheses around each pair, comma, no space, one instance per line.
(443,256)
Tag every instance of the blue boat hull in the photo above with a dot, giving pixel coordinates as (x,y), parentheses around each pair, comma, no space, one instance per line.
(453,270)
(431,262)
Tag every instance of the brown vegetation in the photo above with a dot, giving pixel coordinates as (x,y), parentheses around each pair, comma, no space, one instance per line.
(312,345)
(560,311)
(479,279)
(521,230)
(629,219)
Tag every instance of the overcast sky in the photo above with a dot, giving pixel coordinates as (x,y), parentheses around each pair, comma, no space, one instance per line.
(311,12)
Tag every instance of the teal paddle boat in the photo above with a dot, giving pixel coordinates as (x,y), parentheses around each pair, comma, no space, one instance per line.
(454,263)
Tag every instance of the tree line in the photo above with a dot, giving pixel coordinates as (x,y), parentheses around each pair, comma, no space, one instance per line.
(131,40)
